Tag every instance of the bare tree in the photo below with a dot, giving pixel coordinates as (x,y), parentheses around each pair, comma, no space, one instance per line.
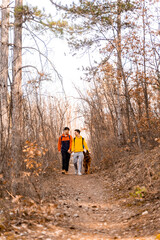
(4,74)
(16,89)
(144,82)
(119,75)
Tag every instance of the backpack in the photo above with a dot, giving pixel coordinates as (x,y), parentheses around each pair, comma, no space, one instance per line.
(82,142)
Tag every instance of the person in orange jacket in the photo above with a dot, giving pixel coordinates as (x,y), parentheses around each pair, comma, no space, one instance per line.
(64,146)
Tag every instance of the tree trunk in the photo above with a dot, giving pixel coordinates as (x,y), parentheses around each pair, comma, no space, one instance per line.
(17,91)
(128,100)
(4,75)
(119,76)
(128,120)
(144,84)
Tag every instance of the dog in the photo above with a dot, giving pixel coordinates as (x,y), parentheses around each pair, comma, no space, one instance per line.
(86,162)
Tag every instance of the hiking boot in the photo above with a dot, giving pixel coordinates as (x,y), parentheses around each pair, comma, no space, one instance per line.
(63,171)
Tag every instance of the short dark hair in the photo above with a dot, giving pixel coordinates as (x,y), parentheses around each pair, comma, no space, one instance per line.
(77,130)
(66,128)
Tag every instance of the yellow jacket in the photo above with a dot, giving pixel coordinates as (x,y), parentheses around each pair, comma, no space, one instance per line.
(77,145)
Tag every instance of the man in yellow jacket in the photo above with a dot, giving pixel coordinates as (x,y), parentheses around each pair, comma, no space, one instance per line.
(78,145)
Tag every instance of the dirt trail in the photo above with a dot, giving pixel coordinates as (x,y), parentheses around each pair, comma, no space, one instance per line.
(87,211)
(85,208)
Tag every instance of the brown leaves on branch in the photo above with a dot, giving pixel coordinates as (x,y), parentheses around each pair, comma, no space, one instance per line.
(34,157)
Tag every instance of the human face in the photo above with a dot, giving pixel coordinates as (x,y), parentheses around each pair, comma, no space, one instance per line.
(66,132)
(76,134)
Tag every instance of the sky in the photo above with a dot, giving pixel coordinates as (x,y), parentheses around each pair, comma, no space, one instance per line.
(65,63)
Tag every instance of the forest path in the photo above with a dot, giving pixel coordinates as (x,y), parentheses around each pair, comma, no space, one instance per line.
(87,210)
(84,208)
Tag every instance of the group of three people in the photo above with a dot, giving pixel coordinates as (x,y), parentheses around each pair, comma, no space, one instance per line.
(67,145)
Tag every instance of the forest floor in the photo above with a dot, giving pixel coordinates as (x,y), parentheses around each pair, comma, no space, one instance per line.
(84,207)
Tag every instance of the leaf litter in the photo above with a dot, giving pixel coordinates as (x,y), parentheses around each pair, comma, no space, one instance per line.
(88,207)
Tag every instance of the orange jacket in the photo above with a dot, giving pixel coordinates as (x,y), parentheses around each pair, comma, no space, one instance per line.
(64,143)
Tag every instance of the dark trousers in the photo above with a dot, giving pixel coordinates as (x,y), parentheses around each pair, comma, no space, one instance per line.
(65,160)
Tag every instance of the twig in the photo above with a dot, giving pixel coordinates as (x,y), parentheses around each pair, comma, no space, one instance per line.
(10,194)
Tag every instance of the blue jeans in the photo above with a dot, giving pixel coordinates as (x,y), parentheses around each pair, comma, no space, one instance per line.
(78,158)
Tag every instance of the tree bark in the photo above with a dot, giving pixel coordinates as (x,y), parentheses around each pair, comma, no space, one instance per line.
(144,84)
(17,91)
(119,76)
(4,74)
(128,100)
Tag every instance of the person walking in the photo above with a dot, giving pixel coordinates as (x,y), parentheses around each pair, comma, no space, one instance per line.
(64,146)
(78,145)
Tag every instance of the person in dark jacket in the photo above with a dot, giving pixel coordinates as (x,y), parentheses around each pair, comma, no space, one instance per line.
(64,146)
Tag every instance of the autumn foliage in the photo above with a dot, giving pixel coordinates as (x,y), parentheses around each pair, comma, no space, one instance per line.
(34,157)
